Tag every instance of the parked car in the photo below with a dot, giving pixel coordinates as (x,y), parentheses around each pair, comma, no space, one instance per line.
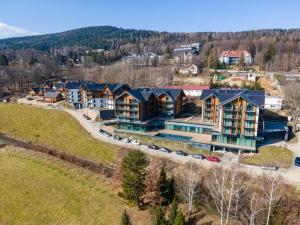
(88,118)
(213,159)
(155,147)
(118,138)
(107,134)
(198,156)
(126,140)
(269,167)
(101,131)
(166,150)
(179,152)
(135,142)
(297,161)
(106,123)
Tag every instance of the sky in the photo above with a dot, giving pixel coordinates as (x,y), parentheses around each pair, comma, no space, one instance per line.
(30,17)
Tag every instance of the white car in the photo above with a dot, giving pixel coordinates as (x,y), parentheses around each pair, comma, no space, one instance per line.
(126,140)
(135,142)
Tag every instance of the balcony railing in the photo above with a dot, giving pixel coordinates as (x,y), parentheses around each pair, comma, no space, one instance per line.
(126,103)
(250,110)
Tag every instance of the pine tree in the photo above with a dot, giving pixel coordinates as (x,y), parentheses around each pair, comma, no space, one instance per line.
(134,170)
(159,217)
(179,219)
(173,212)
(125,219)
(3,60)
(166,186)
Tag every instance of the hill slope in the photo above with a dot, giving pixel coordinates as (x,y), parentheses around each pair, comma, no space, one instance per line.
(93,37)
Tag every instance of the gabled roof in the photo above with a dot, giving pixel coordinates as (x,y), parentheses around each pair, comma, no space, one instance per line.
(255,97)
(138,94)
(186,87)
(93,87)
(51,94)
(72,85)
(113,87)
(173,93)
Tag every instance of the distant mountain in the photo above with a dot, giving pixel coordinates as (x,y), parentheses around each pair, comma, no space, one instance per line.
(92,37)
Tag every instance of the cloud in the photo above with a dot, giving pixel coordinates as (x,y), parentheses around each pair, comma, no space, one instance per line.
(7,31)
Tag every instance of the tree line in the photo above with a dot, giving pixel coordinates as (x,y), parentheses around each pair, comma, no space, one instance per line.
(176,195)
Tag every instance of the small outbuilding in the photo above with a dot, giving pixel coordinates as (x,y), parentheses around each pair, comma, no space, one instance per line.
(53,97)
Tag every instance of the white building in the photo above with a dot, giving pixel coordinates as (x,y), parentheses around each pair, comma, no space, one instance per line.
(273,102)
(192,69)
(233,57)
(73,92)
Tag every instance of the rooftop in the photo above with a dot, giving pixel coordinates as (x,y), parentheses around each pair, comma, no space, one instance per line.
(256,97)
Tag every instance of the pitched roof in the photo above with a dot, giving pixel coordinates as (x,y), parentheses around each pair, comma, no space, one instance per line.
(256,97)
(51,94)
(186,87)
(93,87)
(173,93)
(234,53)
(113,87)
(72,85)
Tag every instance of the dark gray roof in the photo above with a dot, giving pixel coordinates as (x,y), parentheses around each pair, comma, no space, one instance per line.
(93,87)
(173,93)
(72,85)
(256,97)
(116,86)
(51,94)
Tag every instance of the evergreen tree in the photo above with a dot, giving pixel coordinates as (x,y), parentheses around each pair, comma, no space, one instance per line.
(166,186)
(173,212)
(159,217)
(3,60)
(125,219)
(179,219)
(134,170)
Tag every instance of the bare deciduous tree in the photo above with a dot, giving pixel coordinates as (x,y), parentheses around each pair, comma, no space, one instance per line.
(188,184)
(292,99)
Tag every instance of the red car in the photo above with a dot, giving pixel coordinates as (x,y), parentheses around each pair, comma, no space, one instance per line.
(213,159)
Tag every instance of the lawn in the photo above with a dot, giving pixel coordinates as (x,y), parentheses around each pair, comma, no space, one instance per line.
(53,128)
(39,189)
(281,157)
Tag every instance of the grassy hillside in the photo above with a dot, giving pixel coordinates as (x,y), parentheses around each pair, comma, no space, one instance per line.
(53,128)
(271,155)
(36,189)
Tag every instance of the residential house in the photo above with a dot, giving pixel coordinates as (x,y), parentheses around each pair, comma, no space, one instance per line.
(237,116)
(53,97)
(233,57)
(192,69)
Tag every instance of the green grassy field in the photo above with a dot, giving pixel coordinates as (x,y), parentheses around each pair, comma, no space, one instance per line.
(53,128)
(281,157)
(39,189)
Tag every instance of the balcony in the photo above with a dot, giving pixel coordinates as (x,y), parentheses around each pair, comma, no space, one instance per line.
(251,110)
(127,116)
(126,103)
(250,118)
